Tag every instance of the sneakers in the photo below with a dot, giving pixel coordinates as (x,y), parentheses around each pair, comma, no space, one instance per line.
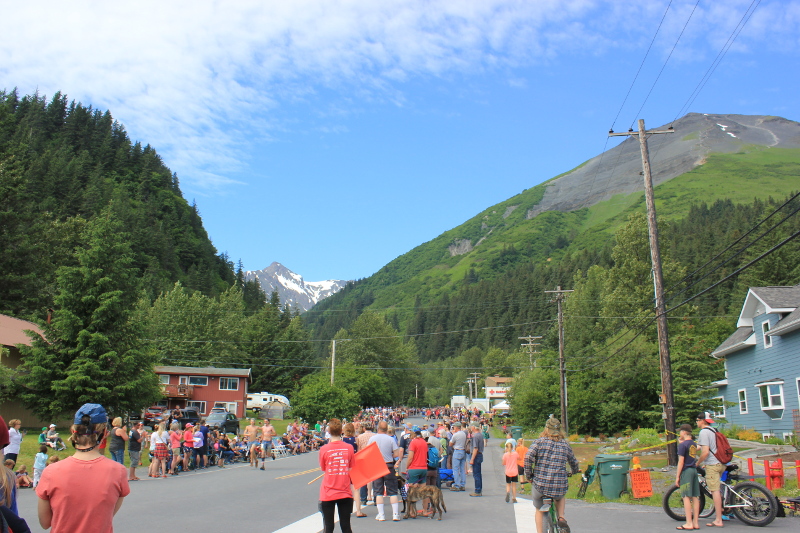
(514,500)
(370,502)
(563,526)
(474,494)
(508,497)
(262,467)
(380,518)
(395,517)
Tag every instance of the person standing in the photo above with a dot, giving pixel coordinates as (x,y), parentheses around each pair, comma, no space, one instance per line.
(134,450)
(510,459)
(267,434)
(336,459)
(14,440)
(686,477)
(707,440)
(362,440)
(522,451)
(119,435)
(175,436)
(83,492)
(549,454)
(418,465)
(392,455)
(476,460)
(458,441)
(204,431)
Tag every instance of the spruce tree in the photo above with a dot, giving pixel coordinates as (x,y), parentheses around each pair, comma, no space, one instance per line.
(92,351)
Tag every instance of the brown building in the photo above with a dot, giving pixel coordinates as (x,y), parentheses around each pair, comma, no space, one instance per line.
(12,334)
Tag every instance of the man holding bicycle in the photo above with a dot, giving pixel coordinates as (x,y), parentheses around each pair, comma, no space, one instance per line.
(707,441)
(545,468)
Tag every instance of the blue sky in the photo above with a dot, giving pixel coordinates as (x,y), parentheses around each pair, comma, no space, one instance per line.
(333,136)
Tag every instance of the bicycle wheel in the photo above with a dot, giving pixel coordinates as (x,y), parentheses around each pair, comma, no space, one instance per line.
(547,524)
(762,504)
(673,505)
(583,487)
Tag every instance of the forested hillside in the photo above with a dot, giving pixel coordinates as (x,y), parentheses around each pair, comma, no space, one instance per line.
(96,235)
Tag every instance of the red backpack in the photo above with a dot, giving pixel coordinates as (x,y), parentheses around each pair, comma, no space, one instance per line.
(724,452)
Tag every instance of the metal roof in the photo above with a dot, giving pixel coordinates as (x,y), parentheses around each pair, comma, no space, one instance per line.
(204,371)
(12,331)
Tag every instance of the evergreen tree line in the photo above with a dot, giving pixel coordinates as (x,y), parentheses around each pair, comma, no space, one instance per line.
(61,165)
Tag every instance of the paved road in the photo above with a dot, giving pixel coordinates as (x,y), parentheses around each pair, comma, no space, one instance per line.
(280,499)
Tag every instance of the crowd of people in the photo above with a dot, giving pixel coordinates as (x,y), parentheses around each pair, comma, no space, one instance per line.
(443,450)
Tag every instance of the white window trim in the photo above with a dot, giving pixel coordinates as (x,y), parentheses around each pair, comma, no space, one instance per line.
(718,414)
(798,390)
(764,330)
(200,408)
(197,384)
(761,399)
(228,379)
(739,398)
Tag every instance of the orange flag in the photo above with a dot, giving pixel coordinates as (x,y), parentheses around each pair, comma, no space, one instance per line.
(368,466)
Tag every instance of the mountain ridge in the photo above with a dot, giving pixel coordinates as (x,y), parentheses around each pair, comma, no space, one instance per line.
(292,288)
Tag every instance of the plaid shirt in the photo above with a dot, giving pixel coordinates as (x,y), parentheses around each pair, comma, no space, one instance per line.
(550,473)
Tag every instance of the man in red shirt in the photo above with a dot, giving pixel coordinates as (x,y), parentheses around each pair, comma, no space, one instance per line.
(336,459)
(418,463)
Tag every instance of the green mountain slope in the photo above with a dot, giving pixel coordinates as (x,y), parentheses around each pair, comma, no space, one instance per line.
(512,235)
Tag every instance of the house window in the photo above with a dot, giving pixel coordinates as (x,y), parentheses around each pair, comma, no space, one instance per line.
(719,409)
(742,402)
(764,331)
(201,406)
(198,380)
(771,395)
(228,383)
(163,379)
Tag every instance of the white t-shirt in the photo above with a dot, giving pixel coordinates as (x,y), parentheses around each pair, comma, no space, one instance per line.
(708,438)
(14,441)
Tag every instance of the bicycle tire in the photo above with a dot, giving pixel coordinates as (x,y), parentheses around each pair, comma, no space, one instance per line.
(547,524)
(582,488)
(763,504)
(673,505)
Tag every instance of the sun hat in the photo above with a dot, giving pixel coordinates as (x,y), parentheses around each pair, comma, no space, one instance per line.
(95,411)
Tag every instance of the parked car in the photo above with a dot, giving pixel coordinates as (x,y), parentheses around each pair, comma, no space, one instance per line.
(189,415)
(154,415)
(225,419)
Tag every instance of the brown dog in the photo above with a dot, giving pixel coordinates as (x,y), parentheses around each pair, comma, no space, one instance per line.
(419,493)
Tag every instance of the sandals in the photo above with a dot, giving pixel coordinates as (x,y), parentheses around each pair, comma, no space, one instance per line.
(361,515)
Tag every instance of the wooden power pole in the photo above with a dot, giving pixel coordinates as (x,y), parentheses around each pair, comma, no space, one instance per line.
(561,363)
(531,346)
(667,396)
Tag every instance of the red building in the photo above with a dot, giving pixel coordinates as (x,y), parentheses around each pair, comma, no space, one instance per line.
(204,388)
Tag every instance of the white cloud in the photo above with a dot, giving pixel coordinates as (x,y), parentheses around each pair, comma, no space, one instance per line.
(197,79)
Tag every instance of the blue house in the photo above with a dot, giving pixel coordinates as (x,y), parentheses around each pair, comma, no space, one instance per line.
(762,364)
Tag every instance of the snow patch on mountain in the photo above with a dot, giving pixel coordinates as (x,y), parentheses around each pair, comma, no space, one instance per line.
(292,288)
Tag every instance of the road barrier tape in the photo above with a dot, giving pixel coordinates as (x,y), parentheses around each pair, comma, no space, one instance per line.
(287,476)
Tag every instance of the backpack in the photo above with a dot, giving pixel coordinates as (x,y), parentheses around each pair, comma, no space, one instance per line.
(433,458)
(468,445)
(724,452)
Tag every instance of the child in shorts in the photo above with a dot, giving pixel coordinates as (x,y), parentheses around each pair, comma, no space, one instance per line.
(512,474)
(686,477)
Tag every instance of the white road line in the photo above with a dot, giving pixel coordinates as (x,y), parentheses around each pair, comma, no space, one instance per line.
(309,524)
(525,515)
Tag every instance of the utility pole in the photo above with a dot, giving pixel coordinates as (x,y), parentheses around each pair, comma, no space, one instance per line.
(560,295)
(530,344)
(667,396)
(333,357)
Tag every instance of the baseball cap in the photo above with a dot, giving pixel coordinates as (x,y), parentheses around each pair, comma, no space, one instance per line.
(425,434)
(95,411)
(44,429)
(189,425)
(705,415)
(456,424)
(53,425)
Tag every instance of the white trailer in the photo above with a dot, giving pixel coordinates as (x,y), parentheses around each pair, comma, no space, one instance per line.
(257,400)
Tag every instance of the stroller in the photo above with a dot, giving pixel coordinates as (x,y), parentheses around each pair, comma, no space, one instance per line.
(446,477)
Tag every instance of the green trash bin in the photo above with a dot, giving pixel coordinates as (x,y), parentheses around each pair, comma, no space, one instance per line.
(613,471)
(516,432)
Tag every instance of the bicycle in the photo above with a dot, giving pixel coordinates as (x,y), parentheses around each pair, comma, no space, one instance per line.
(550,519)
(751,502)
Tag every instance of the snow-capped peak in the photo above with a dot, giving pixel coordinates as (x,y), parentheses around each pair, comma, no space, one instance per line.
(292,288)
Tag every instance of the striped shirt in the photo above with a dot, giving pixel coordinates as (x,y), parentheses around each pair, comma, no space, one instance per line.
(546,464)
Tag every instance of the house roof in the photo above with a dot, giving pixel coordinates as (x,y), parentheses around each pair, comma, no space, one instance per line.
(774,300)
(494,381)
(741,338)
(12,331)
(203,371)
(789,323)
